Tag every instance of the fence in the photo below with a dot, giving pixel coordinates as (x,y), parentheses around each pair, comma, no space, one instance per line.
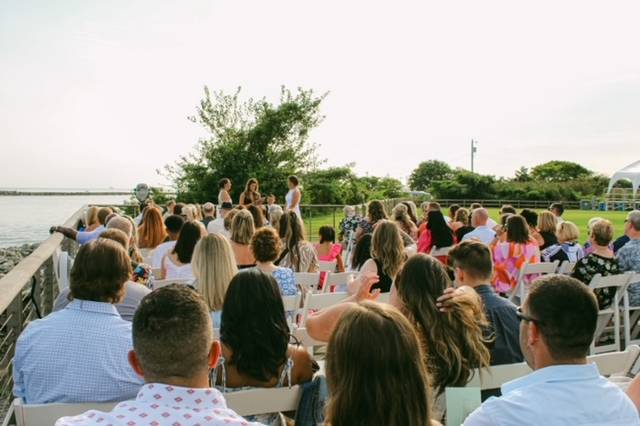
(27,291)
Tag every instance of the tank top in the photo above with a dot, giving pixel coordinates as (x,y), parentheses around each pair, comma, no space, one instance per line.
(175,272)
(289,199)
(385,281)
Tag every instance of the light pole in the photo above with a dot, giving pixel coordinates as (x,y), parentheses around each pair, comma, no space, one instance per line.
(474,149)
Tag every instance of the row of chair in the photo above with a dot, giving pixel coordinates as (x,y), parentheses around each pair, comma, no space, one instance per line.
(259,401)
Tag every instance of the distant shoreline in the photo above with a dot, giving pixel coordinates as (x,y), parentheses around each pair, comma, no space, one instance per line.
(28,193)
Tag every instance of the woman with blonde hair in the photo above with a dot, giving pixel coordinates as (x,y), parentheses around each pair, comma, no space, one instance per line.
(297,254)
(400,215)
(567,248)
(387,257)
(152,231)
(91,221)
(213,267)
(365,390)
(547,223)
(242,230)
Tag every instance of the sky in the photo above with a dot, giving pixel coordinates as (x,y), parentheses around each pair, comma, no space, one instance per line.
(96,94)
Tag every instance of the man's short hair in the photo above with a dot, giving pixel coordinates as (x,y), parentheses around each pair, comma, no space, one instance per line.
(566,312)
(100,271)
(634,219)
(434,205)
(208,208)
(103,212)
(558,207)
(174,223)
(474,206)
(474,258)
(121,223)
(177,209)
(530,216)
(507,208)
(172,333)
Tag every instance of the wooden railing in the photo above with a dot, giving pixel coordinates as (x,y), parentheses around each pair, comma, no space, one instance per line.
(26,292)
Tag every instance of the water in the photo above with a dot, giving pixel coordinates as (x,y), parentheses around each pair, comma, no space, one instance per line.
(27,219)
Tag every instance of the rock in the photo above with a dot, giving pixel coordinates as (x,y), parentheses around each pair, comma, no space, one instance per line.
(11,256)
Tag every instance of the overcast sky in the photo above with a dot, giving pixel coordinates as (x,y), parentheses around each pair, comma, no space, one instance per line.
(96,93)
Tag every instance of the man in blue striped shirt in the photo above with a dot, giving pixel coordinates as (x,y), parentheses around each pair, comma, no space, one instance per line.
(79,354)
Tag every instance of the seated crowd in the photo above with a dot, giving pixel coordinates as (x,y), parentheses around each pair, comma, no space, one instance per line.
(169,355)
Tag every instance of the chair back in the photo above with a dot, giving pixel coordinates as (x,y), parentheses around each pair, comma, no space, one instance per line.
(321,301)
(308,280)
(47,414)
(326,266)
(520,291)
(566,267)
(338,280)
(163,283)
(619,282)
(440,251)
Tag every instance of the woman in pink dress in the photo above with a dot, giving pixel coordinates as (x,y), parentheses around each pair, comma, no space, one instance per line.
(510,256)
(329,251)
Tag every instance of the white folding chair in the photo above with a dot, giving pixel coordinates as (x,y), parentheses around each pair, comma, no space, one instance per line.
(47,414)
(264,400)
(320,301)
(308,280)
(350,245)
(440,251)
(631,315)
(305,340)
(339,280)
(62,263)
(620,283)
(520,291)
(163,283)
(566,267)
(327,266)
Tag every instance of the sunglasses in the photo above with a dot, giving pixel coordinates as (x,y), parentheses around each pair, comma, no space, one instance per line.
(523,317)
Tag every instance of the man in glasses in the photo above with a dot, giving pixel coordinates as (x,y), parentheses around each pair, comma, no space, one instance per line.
(629,255)
(557,323)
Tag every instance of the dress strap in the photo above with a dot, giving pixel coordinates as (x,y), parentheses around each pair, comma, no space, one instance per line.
(286,373)
(213,375)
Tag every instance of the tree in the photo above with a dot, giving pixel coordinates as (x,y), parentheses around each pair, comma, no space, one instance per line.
(248,139)
(466,184)
(522,175)
(427,172)
(559,171)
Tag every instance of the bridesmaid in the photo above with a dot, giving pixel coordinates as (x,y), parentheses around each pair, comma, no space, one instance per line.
(294,196)
(224,187)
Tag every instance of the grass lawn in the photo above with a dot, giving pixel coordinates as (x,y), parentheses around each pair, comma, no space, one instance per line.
(580,217)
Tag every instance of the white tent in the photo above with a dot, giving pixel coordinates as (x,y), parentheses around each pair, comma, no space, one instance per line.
(631,172)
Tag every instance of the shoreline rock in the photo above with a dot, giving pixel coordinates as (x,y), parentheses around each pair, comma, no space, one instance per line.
(11,256)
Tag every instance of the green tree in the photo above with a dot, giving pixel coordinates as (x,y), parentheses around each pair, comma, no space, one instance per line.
(248,139)
(522,175)
(427,172)
(559,171)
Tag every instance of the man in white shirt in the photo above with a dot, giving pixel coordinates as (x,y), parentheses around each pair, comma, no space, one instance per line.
(216,226)
(557,323)
(173,225)
(173,349)
(482,232)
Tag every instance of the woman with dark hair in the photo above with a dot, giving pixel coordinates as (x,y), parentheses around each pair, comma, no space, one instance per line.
(327,249)
(365,390)
(453,209)
(361,253)
(297,254)
(250,195)
(224,186)
(437,233)
(375,213)
(177,263)
(510,256)
(255,338)
(294,196)
(461,224)
(258,216)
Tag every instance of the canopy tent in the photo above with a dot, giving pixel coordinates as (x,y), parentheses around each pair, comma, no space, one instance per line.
(631,172)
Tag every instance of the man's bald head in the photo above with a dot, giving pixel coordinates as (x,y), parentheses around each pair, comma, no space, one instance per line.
(479,217)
